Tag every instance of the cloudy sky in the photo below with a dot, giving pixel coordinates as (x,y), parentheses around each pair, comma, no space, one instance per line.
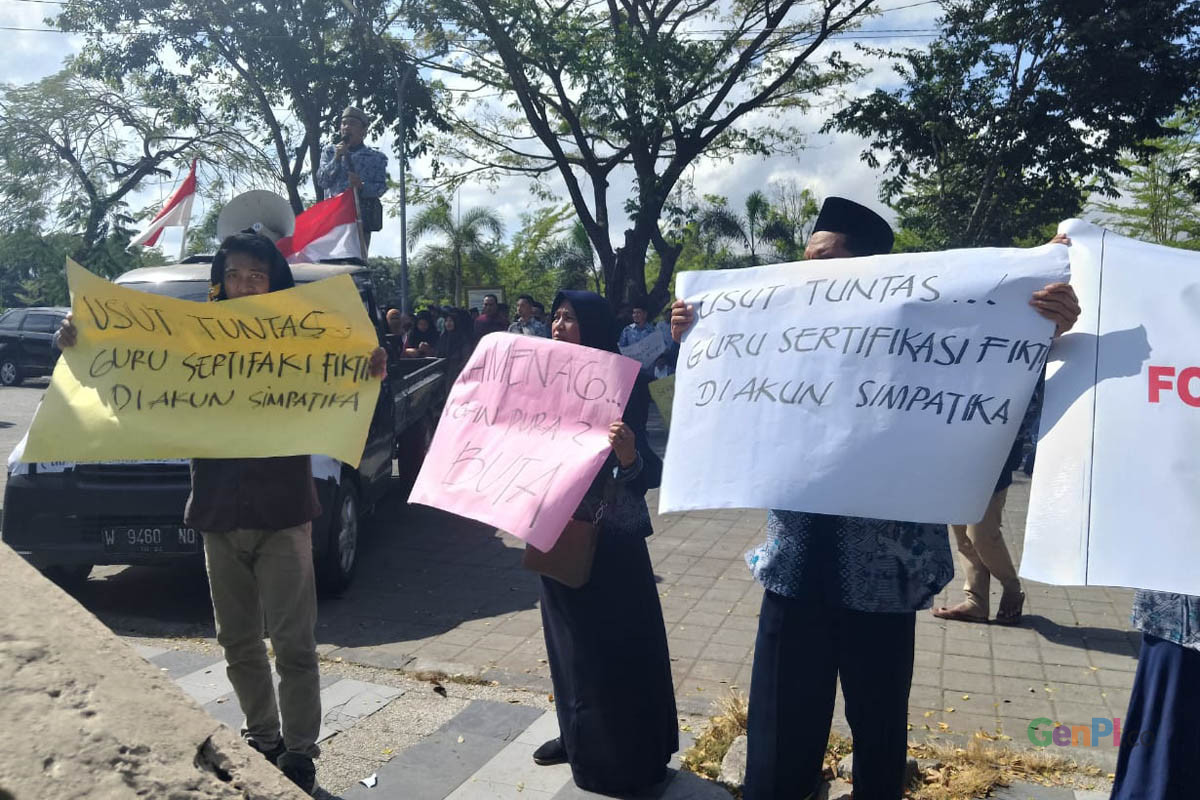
(830,164)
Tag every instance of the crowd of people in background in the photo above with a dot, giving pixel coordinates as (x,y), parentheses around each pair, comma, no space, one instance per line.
(452,333)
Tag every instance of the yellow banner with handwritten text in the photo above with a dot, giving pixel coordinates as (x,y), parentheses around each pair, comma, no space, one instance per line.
(283,373)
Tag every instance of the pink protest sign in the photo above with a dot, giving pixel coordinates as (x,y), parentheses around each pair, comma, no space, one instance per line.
(523,434)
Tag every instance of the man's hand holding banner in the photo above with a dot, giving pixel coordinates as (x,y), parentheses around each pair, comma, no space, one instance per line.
(888,387)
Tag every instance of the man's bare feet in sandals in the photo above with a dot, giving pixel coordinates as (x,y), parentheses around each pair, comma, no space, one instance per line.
(1010,609)
(963,612)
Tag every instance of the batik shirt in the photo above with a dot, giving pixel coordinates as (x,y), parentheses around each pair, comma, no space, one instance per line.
(1173,617)
(632,334)
(369,164)
(852,562)
(534,327)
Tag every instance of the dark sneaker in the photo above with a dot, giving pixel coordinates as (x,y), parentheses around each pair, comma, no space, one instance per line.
(550,753)
(299,769)
(271,755)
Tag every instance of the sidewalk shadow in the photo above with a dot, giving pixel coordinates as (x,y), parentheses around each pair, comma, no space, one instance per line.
(1105,640)
(1124,352)
(158,601)
(423,572)
(420,572)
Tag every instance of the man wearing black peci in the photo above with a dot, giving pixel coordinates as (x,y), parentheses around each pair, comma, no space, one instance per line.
(841,599)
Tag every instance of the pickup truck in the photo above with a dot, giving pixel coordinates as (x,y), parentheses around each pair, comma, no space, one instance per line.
(66,517)
(25,348)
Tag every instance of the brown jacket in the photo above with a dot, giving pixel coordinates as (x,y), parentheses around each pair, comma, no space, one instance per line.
(254,493)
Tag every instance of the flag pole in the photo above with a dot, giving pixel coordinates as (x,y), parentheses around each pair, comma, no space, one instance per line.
(187,221)
(183,242)
(362,239)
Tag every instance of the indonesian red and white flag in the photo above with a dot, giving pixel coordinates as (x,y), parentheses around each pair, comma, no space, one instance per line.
(327,230)
(177,211)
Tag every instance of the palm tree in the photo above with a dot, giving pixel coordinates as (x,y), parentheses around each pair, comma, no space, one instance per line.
(465,237)
(789,222)
(572,260)
(722,222)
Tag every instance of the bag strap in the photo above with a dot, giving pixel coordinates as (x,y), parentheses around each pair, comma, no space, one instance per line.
(610,494)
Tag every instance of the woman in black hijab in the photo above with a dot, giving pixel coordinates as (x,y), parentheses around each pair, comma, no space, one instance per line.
(422,341)
(456,342)
(606,641)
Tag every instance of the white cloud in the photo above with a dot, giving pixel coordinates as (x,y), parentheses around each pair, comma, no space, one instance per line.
(27,55)
(830,163)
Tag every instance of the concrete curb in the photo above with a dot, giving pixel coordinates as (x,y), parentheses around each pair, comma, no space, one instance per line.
(86,716)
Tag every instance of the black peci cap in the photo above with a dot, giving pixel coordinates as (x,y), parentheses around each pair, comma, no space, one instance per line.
(867,233)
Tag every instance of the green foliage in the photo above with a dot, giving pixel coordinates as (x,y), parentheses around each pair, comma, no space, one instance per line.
(284,68)
(385,273)
(202,238)
(549,252)
(464,256)
(1158,203)
(32,265)
(724,224)
(910,241)
(1020,108)
(790,219)
(72,151)
(590,88)
(710,235)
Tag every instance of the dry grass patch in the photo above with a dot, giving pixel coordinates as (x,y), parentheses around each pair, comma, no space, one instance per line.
(705,755)
(966,773)
(957,773)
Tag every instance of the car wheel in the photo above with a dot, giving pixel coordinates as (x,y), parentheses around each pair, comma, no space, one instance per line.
(10,373)
(68,576)
(336,567)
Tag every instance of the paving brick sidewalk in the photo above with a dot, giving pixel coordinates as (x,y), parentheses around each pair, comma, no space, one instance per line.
(452,596)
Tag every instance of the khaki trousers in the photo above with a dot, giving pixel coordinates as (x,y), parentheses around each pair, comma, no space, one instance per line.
(984,555)
(257,573)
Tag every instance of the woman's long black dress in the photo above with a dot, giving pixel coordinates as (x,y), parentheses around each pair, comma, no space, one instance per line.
(607,644)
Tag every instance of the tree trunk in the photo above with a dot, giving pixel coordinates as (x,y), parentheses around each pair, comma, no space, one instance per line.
(293,191)
(91,232)
(668,256)
(625,279)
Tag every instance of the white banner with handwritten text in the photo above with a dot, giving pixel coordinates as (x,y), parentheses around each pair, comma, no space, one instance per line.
(889,387)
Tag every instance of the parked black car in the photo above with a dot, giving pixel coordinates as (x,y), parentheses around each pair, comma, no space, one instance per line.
(66,517)
(26,350)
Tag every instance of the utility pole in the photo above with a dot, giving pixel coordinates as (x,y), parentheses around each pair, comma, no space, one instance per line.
(401,83)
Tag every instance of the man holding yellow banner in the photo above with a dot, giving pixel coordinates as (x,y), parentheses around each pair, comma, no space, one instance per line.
(255,513)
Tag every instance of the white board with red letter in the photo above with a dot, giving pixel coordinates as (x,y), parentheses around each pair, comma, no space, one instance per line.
(1116,486)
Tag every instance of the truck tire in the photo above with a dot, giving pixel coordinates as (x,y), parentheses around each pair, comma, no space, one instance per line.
(10,372)
(335,569)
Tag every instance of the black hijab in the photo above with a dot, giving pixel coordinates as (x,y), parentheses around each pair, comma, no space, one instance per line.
(598,328)
(430,335)
(456,343)
(597,323)
(257,246)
